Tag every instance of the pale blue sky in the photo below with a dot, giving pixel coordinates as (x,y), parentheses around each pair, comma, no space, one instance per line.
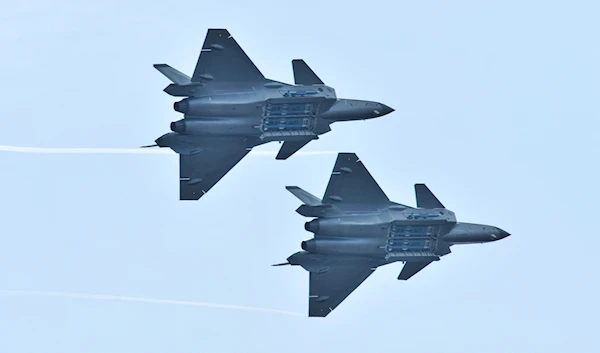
(497,110)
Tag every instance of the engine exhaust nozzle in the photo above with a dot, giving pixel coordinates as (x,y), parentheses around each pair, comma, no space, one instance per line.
(178,126)
(312,226)
(183,106)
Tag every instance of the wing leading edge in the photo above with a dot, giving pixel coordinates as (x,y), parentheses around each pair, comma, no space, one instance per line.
(224,61)
(351,186)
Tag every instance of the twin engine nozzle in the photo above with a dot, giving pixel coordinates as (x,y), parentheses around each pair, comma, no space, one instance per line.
(178,126)
(312,226)
(304,245)
(183,106)
(310,245)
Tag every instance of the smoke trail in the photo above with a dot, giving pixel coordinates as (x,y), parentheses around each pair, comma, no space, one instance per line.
(21,149)
(23,293)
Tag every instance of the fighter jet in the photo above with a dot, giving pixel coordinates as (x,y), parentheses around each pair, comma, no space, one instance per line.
(230,107)
(357,229)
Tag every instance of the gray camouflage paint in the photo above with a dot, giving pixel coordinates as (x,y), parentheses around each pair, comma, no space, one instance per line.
(357,229)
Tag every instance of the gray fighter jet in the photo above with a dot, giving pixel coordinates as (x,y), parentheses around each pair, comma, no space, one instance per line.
(357,229)
(230,107)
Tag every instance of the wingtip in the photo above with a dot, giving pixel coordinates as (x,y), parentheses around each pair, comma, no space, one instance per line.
(349,155)
(283,154)
(222,30)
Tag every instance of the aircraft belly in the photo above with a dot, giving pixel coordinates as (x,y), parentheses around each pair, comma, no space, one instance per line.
(231,98)
(365,247)
(292,119)
(415,240)
(356,226)
(222,126)
(223,105)
(220,110)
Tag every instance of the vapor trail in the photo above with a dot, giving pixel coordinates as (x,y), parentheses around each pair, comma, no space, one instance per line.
(23,293)
(21,149)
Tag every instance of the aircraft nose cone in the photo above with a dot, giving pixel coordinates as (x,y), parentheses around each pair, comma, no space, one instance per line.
(502,234)
(385,110)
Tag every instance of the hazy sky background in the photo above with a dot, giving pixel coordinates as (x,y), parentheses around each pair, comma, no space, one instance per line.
(497,110)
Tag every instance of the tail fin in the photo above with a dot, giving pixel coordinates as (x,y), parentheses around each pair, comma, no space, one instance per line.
(412,267)
(172,74)
(303,75)
(312,207)
(425,198)
(290,147)
(304,196)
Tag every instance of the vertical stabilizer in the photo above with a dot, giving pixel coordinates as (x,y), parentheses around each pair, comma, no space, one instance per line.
(425,198)
(304,75)
(304,196)
(172,74)
(411,268)
(290,147)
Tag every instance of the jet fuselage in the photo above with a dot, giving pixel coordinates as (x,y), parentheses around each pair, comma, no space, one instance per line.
(395,234)
(229,107)
(274,112)
(357,228)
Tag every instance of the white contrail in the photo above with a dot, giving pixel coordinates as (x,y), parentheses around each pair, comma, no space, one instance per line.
(22,293)
(21,149)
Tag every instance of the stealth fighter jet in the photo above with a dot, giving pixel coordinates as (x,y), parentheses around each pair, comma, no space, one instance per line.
(230,107)
(357,229)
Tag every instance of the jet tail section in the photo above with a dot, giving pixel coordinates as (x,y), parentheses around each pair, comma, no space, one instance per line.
(313,206)
(411,268)
(306,197)
(425,198)
(304,75)
(172,74)
(290,147)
